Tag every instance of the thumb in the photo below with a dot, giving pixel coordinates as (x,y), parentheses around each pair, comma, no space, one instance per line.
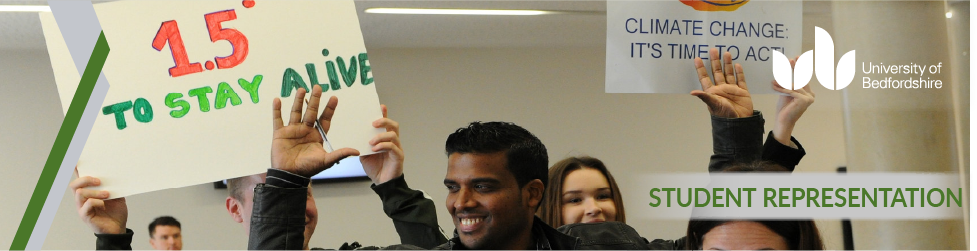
(339,154)
(706,98)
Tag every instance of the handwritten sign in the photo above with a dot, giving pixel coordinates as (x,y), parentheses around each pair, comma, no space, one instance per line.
(192,84)
(651,44)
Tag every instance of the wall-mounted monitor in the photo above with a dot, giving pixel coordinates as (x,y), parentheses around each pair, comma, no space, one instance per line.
(348,169)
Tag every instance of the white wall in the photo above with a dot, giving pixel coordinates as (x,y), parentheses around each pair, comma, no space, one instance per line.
(30,117)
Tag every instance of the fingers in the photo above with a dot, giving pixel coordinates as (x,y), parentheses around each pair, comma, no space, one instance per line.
(313,109)
(803,93)
(386,137)
(89,207)
(276,115)
(703,74)
(388,147)
(326,118)
(728,68)
(383,109)
(780,89)
(339,154)
(741,77)
(296,116)
(82,182)
(717,67)
(389,124)
(83,195)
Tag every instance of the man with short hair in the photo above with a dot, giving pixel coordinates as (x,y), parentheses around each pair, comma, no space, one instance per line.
(164,234)
(239,203)
(496,176)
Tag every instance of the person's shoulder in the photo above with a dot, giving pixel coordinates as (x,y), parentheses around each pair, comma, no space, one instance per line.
(606,235)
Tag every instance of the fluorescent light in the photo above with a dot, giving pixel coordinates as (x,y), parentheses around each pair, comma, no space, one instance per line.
(949,14)
(24,8)
(455,11)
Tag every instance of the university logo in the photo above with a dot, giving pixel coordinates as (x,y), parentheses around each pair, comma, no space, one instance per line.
(714,5)
(821,64)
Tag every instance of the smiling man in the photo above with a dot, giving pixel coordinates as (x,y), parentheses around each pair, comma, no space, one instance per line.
(495,181)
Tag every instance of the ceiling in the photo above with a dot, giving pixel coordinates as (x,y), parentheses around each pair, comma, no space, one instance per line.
(582,25)
(20,31)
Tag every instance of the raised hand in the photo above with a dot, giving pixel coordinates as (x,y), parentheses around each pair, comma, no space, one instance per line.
(389,164)
(103,216)
(297,148)
(726,94)
(789,109)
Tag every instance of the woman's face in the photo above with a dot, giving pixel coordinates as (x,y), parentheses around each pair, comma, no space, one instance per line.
(587,197)
(742,235)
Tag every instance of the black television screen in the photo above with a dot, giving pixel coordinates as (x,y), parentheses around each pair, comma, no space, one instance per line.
(346,170)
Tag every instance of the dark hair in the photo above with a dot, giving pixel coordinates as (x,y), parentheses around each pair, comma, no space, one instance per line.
(162,221)
(551,209)
(799,234)
(526,156)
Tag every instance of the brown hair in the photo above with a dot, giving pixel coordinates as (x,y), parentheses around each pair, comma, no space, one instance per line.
(799,234)
(236,186)
(551,210)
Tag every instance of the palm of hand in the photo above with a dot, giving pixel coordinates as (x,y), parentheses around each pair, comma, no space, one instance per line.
(299,147)
(380,166)
(788,108)
(791,108)
(730,101)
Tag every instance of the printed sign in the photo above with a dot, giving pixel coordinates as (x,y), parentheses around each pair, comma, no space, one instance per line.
(192,84)
(651,44)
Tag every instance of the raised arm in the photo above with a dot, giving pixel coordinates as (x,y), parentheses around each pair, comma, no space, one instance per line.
(107,218)
(737,129)
(781,147)
(278,213)
(414,215)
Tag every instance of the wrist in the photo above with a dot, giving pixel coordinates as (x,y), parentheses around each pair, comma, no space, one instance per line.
(386,178)
(782,134)
(112,230)
(285,179)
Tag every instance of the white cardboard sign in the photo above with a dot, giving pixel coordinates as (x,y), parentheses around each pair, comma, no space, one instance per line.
(651,44)
(192,83)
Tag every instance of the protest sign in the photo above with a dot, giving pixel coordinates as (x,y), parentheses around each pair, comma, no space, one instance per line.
(651,44)
(192,83)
